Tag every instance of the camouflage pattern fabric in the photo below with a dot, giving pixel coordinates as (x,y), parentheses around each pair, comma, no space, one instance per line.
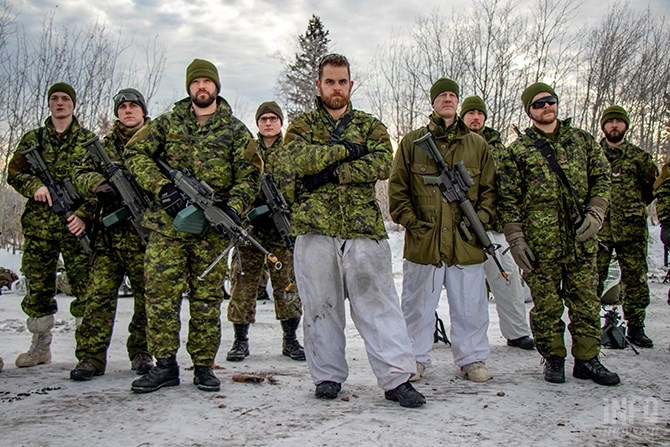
(434,235)
(497,147)
(93,335)
(349,209)
(171,266)
(119,252)
(632,258)
(662,193)
(46,234)
(625,226)
(531,194)
(578,293)
(242,304)
(217,153)
(633,175)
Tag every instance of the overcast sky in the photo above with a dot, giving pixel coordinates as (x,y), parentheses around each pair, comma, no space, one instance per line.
(242,36)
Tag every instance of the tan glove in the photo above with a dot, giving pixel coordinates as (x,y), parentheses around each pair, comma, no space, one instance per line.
(521,252)
(593,220)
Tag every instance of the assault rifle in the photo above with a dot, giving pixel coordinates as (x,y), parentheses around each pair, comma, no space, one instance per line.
(454,184)
(64,197)
(132,196)
(279,209)
(201,195)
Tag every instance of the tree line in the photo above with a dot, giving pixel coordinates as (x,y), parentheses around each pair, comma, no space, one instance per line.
(493,49)
(97,61)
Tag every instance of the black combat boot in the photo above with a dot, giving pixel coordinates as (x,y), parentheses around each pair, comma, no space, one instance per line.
(205,379)
(596,371)
(405,395)
(327,389)
(636,335)
(554,369)
(165,373)
(240,348)
(290,346)
(85,370)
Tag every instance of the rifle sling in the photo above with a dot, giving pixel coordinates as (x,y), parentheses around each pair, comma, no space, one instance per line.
(341,126)
(541,145)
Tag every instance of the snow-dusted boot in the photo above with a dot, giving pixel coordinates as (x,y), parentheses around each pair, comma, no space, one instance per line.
(40,349)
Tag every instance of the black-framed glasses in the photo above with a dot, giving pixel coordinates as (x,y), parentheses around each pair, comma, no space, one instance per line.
(126,96)
(540,103)
(268,119)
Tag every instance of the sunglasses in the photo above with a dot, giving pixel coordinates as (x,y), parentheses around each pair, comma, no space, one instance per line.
(540,103)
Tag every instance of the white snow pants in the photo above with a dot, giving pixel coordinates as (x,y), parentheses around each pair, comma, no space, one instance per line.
(468,309)
(509,298)
(328,270)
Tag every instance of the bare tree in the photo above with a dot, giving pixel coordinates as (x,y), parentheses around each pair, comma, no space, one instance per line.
(89,58)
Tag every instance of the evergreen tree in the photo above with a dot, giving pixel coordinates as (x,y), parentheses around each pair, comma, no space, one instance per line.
(296,85)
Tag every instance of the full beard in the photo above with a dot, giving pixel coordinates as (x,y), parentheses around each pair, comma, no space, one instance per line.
(614,136)
(203,103)
(335,102)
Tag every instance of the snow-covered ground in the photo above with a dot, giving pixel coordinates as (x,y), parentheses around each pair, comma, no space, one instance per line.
(41,407)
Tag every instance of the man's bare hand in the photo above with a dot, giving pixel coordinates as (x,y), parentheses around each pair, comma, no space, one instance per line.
(42,195)
(76,225)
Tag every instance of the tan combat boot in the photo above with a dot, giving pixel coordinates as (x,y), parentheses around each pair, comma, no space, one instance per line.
(40,349)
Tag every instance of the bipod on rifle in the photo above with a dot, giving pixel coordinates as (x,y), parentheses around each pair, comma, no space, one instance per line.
(440,333)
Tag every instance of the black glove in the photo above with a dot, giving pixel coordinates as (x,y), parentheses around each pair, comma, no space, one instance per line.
(665,233)
(355,150)
(172,200)
(106,194)
(230,212)
(313,181)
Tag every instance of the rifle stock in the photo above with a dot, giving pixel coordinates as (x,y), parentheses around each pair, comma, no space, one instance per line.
(454,183)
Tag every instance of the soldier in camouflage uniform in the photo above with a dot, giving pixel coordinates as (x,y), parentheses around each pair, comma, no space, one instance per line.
(202,135)
(47,234)
(242,304)
(550,239)
(333,157)
(119,251)
(508,293)
(437,253)
(625,226)
(662,195)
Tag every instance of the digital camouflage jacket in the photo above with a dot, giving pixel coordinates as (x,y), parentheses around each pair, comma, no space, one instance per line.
(348,209)
(497,147)
(263,227)
(530,193)
(60,154)
(88,175)
(433,225)
(633,173)
(662,194)
(215,153)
